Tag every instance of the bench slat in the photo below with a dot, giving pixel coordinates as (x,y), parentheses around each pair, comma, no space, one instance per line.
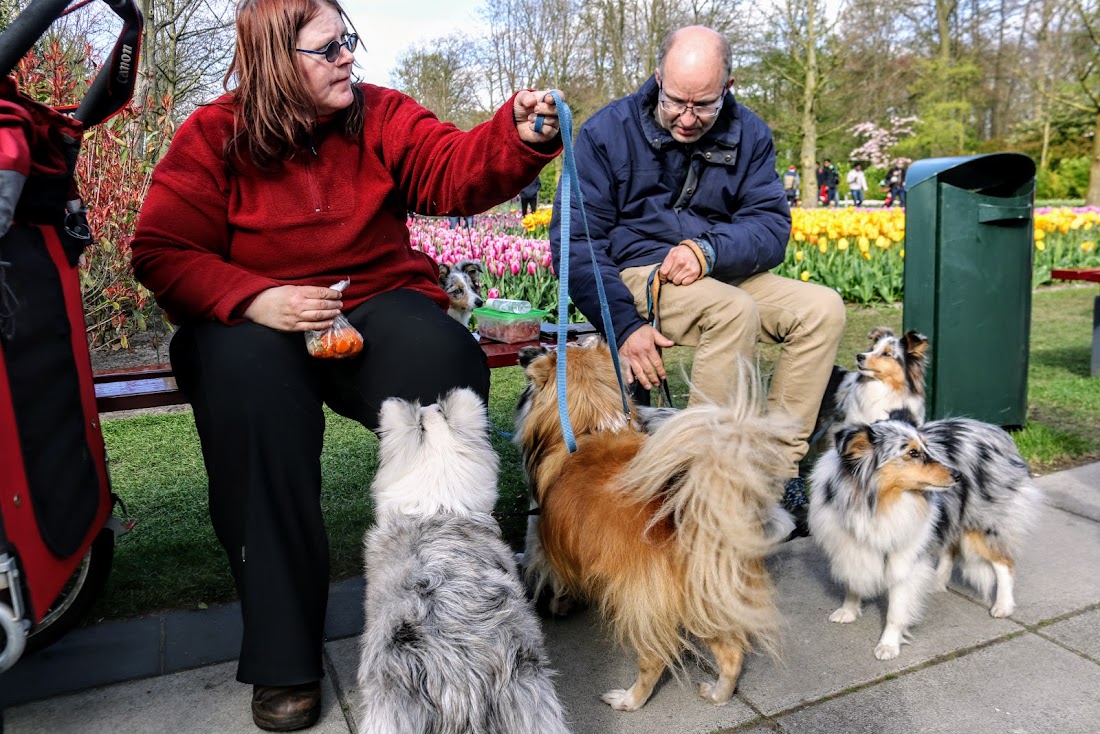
(1090,274)
(154,386)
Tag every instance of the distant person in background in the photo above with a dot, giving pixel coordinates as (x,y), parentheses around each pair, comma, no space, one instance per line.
(457,222)
(895,181)
(822,186)
(832,180)
(857,184)
(791,181)
(529,197)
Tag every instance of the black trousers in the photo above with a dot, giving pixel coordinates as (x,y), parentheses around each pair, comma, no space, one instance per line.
(257,397)
(528,203)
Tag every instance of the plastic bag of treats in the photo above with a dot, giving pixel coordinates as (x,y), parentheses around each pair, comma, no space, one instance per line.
(338,341)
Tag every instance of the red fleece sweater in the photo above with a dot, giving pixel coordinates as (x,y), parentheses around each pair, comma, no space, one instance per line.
(208,241)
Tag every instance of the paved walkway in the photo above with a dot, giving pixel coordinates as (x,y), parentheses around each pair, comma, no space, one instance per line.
(1037,672)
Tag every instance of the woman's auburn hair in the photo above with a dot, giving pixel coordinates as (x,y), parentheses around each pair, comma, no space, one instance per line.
(274,114)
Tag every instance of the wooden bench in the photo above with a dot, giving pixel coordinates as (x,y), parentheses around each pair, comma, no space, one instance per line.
(154,386)
(1093,275)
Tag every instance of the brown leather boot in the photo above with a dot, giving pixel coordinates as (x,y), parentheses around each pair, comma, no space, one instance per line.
(286,708)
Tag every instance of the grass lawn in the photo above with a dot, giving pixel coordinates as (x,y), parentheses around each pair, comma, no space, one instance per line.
(171,560)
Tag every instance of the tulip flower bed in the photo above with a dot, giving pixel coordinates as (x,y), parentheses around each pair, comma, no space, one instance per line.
(859,252)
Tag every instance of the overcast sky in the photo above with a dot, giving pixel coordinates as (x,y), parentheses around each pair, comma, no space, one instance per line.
(388,27)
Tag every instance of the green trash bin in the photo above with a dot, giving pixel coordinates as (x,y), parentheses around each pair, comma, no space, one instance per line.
(968,264)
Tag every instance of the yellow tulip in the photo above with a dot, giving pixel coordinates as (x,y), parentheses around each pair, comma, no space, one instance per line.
(842,244)
(1039,234)
(1088,246)
(866,255)
(798,256)
(805,275)
(902,253)
(882,242)
(799,237)
(823,247)
(1040,245)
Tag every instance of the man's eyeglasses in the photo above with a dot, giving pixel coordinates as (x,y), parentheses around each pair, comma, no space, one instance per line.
(702,111)
(331,52)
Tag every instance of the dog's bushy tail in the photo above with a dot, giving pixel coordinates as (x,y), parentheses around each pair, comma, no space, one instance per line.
(715,471)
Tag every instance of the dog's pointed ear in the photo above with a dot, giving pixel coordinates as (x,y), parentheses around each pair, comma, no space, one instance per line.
(916,345)
(464,407)
(472,268)
(853,443)
(878,332)
(527,355)
(591,341)
(397,414)
(904,415)
(444,273)
(538,369)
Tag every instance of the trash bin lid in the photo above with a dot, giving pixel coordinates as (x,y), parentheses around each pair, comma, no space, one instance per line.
(991,173)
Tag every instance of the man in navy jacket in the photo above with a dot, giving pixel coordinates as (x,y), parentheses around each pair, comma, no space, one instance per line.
(680,178)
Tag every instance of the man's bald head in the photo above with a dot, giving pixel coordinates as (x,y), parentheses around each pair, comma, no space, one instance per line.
(696,44)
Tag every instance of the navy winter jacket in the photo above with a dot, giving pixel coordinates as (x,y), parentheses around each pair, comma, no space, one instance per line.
(644,193)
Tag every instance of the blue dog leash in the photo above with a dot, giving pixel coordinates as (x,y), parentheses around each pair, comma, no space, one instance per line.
(569,176)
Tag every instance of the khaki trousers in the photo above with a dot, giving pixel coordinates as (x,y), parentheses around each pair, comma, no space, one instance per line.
(724,320)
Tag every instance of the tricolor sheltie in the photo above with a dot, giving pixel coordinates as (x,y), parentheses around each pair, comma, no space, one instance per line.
(450,644)
(893,504)
(888,377)
(666,533)
(462,283)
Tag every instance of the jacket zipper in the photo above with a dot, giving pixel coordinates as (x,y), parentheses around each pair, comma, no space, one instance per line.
(312,187)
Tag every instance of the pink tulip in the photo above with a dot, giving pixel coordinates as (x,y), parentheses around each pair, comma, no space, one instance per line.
(493,293)
(531,267)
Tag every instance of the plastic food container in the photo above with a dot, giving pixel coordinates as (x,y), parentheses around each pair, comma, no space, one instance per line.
(509,328)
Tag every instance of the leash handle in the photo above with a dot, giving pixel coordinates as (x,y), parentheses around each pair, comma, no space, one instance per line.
(569,176)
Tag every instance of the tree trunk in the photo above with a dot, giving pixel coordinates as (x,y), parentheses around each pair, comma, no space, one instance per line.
(808,153)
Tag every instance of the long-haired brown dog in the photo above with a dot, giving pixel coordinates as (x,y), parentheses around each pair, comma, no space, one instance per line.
(665,533)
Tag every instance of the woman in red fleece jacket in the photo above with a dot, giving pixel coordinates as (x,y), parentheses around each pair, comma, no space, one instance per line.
(294,180)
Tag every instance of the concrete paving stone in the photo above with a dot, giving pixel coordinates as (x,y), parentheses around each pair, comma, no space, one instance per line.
(202,637)
(1026,685)
(821,658)
(1081,633)
(90,656)
(1076,490)
(203,701)
(343,659)
(589,664)
(344,617)
(1057,571)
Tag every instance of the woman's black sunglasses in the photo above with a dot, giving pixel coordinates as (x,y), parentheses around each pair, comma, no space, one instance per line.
(331,52)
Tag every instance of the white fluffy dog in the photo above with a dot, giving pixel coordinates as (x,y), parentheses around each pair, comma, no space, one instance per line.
(450,644)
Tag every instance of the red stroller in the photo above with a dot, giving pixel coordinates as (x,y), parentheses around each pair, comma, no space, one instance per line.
(56,539)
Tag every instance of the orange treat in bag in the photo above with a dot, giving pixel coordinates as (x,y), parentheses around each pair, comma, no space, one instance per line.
(339,341)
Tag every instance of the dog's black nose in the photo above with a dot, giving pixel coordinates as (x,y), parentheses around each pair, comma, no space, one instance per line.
(956,475)
(478,302)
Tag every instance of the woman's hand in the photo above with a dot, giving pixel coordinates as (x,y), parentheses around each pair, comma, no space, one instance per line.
(295,308)
(528,106)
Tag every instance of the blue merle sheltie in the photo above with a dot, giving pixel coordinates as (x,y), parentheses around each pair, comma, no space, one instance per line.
(893,505)
(889,376)
(462,283)
(451,643)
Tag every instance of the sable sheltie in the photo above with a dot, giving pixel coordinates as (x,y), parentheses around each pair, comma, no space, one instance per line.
(451,643)
(893,504)
(666,532)
(889,376)
(462,283)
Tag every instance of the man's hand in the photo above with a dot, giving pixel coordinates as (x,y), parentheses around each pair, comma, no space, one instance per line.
(527,107)
(681,266)
(295,308)
(643,362)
